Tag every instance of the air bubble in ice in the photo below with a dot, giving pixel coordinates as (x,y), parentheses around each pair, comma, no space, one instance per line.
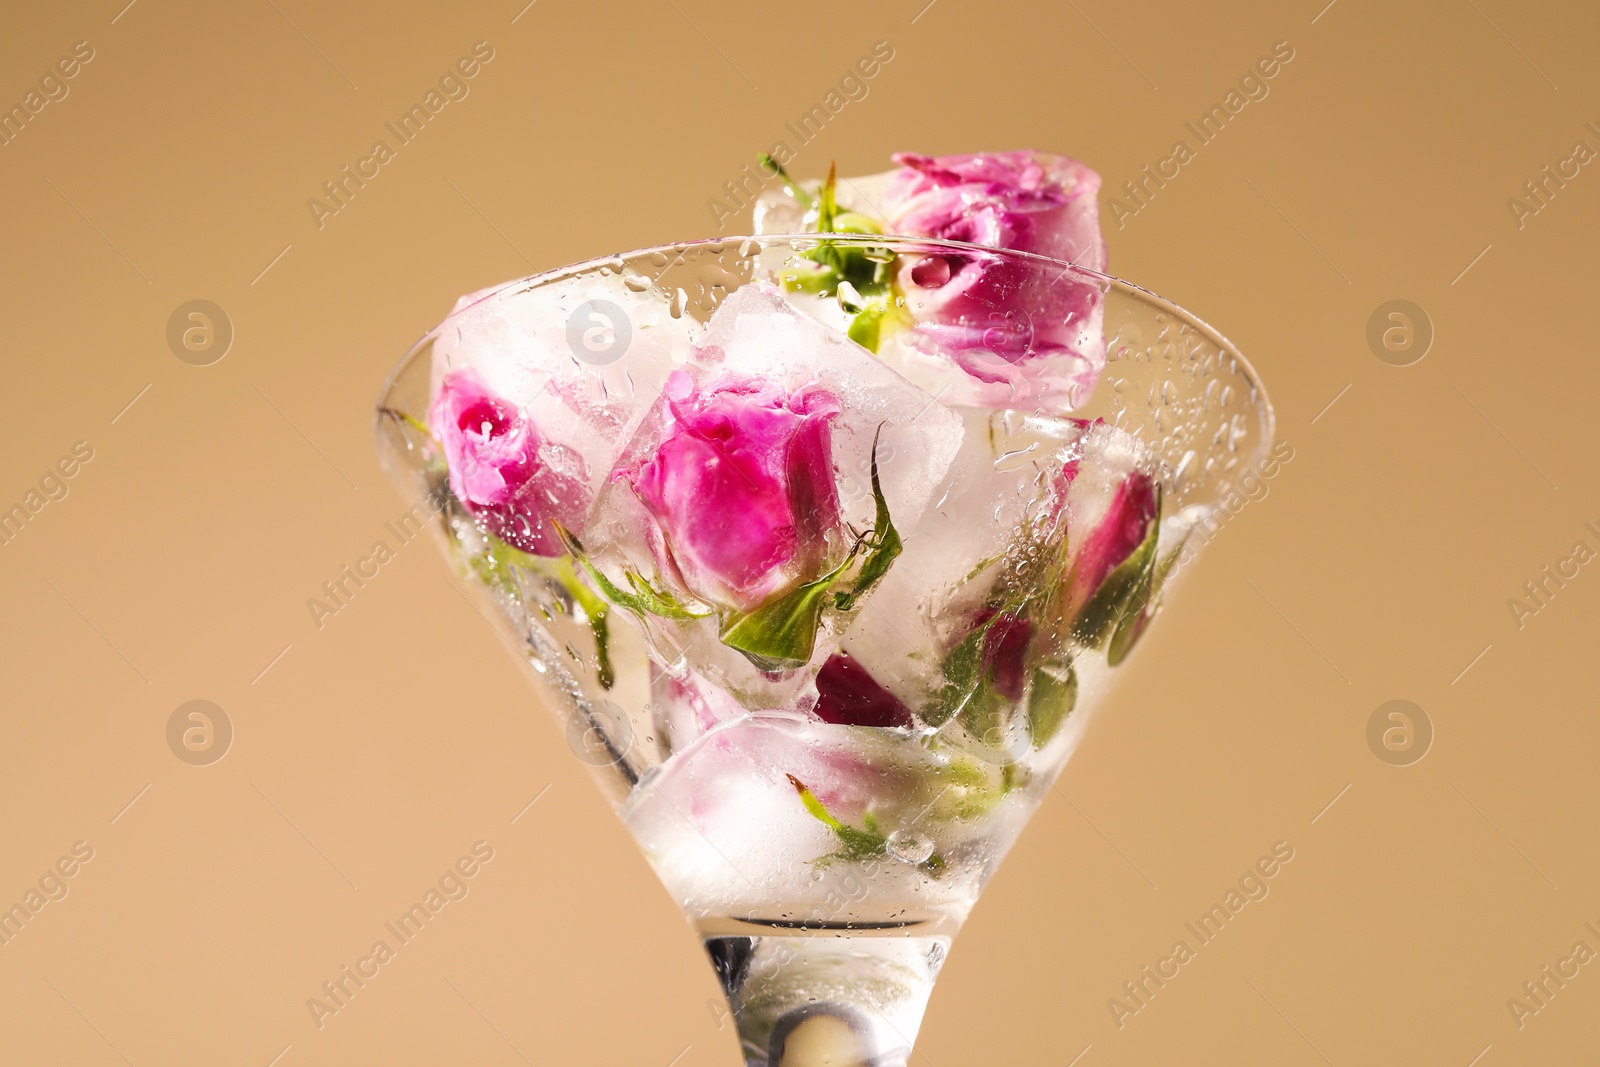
(1016,458)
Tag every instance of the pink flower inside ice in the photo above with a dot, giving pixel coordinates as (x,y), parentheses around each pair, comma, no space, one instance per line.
(741,486)
(1030,201)
(987,313)
(493,452)
(1005,651)
(1127,522)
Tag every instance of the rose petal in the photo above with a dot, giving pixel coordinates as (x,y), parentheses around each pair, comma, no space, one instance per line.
(848,695)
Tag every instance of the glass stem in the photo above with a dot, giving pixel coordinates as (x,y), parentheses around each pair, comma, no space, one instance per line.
(808,999)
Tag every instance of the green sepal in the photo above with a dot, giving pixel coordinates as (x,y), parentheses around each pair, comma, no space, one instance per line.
(595,610)
(781,634)
(1055,692)
(987,714)
(870,270)
(855,845)
(1140,608)
(868,326)
(805,275)
(827,202)
(1128,584)
(885,542)
(645,599)
(855,222)
(805,198)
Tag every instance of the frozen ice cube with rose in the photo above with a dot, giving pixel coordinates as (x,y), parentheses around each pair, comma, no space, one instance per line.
(760,498)
(532,399)
(974,328)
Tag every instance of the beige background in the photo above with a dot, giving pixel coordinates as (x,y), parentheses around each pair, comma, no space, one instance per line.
(376,750)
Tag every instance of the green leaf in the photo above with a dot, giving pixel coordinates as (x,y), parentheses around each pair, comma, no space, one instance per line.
(885,542)
(1055,692)
(645,599)
(1127,584)
(963,674)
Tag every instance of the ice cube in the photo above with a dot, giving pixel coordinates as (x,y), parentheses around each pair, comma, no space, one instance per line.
(999,500)
(758,333)
(727,831)
(687,706)
(991,331)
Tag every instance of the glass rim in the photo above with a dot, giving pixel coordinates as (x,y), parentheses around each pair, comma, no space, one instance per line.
(678,248)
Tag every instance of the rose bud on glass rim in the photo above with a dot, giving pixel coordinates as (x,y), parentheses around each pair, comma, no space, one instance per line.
(994,317)
(493,451)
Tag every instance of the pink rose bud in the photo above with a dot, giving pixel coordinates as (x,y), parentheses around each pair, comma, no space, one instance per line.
(848,695)
(991,316)
(1030,201)
(741,487)
(1005,652)
(1099,587)
(493,453)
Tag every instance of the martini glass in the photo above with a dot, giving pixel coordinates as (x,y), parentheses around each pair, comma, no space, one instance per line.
(1016,496)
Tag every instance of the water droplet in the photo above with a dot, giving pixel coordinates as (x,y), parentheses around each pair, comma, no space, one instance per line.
(908,846)
(636,282)
(931,273)
(850,300)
